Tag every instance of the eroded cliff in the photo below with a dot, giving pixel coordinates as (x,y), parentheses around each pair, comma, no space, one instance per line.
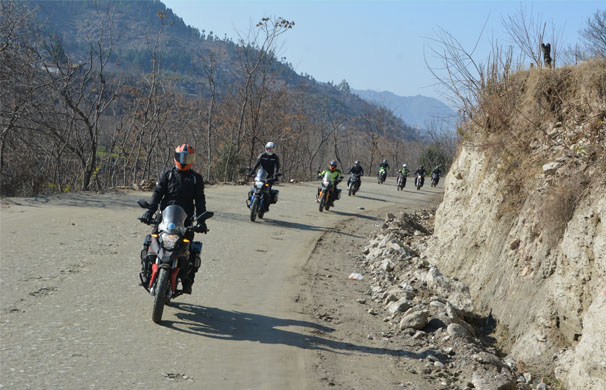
(522,222)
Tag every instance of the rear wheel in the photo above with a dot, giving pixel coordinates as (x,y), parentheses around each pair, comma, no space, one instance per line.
(253,209)
(160,295)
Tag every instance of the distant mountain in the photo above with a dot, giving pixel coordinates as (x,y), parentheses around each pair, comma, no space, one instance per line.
(417,111)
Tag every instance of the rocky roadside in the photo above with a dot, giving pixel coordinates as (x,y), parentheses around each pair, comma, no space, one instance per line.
(408,305)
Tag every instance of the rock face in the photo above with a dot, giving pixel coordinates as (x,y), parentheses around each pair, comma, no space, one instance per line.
(538,264)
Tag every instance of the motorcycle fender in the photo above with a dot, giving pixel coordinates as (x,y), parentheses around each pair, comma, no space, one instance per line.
(152,280)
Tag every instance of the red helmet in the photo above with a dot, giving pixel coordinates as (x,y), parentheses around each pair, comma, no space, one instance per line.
(184,157)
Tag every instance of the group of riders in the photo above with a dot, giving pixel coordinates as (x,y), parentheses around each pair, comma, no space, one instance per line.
(184,187)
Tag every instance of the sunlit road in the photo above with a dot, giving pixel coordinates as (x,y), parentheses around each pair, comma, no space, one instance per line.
(74,317)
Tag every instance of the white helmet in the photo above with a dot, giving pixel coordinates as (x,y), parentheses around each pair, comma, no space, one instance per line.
(404,165)
(269,148)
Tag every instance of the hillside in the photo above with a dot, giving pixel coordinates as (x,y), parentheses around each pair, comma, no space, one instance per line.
(418,111)
(163,83)
(522,220)
(138,26)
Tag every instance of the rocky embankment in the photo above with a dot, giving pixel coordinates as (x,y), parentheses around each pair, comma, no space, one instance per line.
(522,221)
(418,302)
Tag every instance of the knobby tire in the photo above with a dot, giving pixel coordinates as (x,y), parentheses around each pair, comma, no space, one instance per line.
(253,209)
(322,201)
(160,294)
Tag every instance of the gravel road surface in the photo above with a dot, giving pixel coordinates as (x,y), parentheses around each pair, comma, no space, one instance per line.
(72,315)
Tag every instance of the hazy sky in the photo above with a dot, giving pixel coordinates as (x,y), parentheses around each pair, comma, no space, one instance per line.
(379,45)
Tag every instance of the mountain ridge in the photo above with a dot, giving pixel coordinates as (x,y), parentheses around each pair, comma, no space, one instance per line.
(418,111)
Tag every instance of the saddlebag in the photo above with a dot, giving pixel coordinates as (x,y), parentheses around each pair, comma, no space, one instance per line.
(274,196)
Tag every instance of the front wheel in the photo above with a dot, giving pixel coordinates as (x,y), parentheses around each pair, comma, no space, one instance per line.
(322,201)
(160,295)
(351,191)
(253,209)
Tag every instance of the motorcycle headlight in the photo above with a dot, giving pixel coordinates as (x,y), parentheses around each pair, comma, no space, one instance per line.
(259,184)
(169,240)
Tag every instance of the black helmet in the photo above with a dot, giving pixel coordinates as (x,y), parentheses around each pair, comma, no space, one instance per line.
(384,161)
(357,163)
(333,165)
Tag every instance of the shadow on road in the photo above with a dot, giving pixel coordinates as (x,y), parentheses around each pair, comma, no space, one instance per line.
(355,215)
(237,326)
(302,226)
(371,198)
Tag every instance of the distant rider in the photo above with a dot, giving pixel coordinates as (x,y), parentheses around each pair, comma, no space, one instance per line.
(269,161)
(404,171)
(356,169)
(335,175)
(436,171)
(180,186)
(421,171)
(384,165)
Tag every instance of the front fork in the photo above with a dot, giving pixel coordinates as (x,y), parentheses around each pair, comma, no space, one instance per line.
(173,278)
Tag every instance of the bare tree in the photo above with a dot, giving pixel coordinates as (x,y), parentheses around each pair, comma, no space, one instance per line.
(532,35)
(255,52)
(594,34)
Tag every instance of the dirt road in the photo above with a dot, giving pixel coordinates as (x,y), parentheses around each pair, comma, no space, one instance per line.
(74,317)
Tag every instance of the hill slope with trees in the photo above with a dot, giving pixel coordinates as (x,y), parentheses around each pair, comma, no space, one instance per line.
(102,91)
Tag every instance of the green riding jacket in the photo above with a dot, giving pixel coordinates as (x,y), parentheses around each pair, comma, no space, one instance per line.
(335,175)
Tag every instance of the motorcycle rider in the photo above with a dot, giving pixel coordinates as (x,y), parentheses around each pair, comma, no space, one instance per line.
(336,176)
(269,161)
(181,186)
(421,171)
(356,169)
(436,173)
(384,165)
(404,171)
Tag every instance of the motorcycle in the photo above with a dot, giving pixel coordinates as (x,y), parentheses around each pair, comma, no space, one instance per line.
(435,178)
(328,195)
(419,181)
(261,195)
(354,183)
(168,256)
(382,175)
(401,181)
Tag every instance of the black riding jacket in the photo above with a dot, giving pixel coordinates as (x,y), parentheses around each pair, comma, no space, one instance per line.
(181,188)
(356,170)
(269,162)
(421,171)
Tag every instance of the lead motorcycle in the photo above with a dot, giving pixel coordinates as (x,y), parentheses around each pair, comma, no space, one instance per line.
(168,256)
(328,194)
(261,195)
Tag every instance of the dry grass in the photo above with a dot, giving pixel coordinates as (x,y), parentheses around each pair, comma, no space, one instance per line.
(535,115)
